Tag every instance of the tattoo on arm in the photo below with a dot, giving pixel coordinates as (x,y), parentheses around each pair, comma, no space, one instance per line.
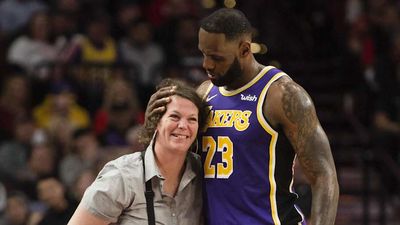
(299,109)
(308,139)
(313,150)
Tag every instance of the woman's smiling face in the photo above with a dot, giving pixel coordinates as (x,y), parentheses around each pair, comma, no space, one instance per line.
(178,127)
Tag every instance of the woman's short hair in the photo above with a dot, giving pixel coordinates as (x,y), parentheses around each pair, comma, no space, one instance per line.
(183,90)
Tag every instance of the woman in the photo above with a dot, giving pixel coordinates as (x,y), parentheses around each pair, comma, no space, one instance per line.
(117,195)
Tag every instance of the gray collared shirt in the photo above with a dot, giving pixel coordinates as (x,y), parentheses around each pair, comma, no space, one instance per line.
(117,194)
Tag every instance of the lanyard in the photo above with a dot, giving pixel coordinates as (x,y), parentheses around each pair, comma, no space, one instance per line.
(149,194)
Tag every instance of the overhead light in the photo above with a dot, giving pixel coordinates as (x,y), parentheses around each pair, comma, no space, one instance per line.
(208,4)
(258,48)
(229,3)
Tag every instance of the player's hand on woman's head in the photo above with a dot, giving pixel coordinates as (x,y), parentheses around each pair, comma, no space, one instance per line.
(158,101)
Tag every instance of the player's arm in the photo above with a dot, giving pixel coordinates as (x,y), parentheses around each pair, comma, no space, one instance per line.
(158,101)
(292,108)
(83,217)
(160,98)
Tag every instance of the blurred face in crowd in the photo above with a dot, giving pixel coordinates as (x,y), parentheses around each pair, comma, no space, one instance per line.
(133,140)
(24,131)
(17,210)
(62,101)
(86,141)
(84,180)
(98,31)
(127,13)
(40,27)
(69,5)
(42,160)
(141,33)
(87,147)
(121,106)
(51,191)
(16,89)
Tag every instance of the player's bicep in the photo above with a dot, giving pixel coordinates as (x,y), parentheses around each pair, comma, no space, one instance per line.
(300,123)
(297,114)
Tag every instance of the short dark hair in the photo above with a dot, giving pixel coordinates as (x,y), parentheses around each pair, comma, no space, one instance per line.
(231,22)
(183,90)
(80,132)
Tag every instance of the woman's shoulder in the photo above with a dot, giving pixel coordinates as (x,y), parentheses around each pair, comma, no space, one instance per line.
(131,160)
(127,166)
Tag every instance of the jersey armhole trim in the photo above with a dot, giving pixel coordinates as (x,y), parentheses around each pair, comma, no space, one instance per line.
(207,92)
(272,147)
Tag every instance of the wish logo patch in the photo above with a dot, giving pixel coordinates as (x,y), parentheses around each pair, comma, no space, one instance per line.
(249,98)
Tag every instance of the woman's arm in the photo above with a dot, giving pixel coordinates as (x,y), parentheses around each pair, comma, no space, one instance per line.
(83,217)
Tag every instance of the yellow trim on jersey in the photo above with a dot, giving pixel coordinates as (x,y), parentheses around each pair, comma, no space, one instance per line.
(274,137)
(225,92)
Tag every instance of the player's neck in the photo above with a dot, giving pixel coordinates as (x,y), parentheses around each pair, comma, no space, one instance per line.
(251,71)
(251,68)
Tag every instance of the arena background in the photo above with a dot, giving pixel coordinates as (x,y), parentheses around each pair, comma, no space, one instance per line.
(66,108)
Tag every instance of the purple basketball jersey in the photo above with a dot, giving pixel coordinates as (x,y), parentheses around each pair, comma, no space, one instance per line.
(247,163)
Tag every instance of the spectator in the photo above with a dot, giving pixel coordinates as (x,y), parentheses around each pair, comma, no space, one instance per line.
(14,154)
(161,11)
(83,181)
(35,50)
(139,51)
(168,167)
(85,153)
(17,210)
(42,162)
(94,53)
(96,46)
(53,193)
(132,138)
(185,51)
(14,103)
(121,111)
(14,14)
(60,109)
(127,11)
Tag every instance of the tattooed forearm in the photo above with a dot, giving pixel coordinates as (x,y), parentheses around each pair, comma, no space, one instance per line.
(308,139)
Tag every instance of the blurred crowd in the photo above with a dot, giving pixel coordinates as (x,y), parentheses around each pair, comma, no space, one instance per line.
(373,53)
(76,76)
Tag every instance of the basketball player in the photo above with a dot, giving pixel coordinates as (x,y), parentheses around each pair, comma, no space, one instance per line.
(260,121)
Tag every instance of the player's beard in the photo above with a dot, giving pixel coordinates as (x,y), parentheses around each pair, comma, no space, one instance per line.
(231,76)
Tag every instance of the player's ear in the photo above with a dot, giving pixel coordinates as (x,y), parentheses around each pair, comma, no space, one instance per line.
(244,48)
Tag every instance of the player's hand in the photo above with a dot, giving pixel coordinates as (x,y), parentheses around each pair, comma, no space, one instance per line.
(158,101)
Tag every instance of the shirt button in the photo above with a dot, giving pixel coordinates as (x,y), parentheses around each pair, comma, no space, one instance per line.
(173,214)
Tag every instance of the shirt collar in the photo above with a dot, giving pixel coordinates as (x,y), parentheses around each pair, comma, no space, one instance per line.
(152,169)
(189,173)
(150,162)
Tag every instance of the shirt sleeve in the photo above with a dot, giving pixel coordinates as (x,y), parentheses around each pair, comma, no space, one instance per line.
(108,195)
